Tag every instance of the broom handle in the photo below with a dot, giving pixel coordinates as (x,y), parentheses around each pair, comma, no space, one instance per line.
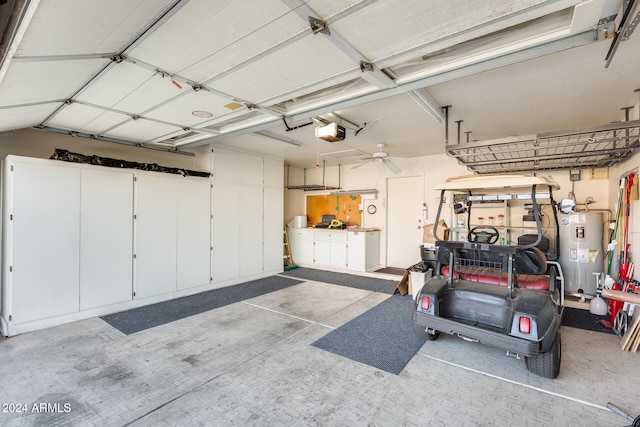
(621,296)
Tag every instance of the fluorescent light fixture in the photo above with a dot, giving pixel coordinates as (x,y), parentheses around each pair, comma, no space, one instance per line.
(349,192)
(424,99)
(516,51)
(275,137)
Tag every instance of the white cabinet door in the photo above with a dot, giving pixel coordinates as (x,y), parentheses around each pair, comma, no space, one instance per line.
(301,242)
(357,245)
(274,173)
(106,238)
(226,166)
(46,241)
(273,229)
(304,255)
(338,255)
(193,238)
(322,253)
(225,231)
(155,235)
(364,250)
(251,230)
(251,170)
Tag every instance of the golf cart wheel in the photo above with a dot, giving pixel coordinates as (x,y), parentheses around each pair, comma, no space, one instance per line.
(421,332)
(547,364)
(434,336)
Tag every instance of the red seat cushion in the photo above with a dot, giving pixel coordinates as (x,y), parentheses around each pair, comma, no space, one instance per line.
(497,277)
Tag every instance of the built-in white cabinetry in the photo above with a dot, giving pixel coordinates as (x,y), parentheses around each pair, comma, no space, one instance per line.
(156,207)
(41,235)
(301,242)
(106,237)
(336,249)
(272,229)
(80,240)
(364,250)
(250,231)
(273,214)
(193,243)
(247,216)
(330,248)
(225,229)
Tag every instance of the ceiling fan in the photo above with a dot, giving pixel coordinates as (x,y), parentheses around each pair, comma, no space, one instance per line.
(381,157)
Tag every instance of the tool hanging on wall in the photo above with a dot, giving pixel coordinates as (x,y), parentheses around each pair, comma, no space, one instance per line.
(613,245)
(624,273)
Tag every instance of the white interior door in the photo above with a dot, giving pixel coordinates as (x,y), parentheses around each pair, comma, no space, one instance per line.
(404,220)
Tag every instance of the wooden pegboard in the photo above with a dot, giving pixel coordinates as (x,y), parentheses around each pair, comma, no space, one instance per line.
(340,206)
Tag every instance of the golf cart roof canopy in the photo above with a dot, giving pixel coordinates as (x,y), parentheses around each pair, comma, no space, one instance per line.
(496,182)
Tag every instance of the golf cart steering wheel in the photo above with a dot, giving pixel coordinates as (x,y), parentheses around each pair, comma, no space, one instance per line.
(483,234)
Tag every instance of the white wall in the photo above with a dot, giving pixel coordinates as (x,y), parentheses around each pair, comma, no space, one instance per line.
(435,169)
(41,144)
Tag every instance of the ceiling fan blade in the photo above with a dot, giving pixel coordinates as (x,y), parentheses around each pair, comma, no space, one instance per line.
(392,166)
(358,165)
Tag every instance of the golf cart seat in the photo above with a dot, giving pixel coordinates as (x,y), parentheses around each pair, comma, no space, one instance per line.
(485,267)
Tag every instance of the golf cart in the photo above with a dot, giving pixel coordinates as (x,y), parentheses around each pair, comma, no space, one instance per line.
(501,295)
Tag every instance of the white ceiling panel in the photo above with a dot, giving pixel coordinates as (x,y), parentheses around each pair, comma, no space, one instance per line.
(141,130)
(391,27)
(131,88)
(302,63)
(34,81)
(86,119)
(328,8)
(180,110)
(66,27)
(119,82)
(208,37)
(27,116)
(264,52)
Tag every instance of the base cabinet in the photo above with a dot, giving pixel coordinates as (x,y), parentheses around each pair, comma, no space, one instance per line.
(364,250)
(336,249)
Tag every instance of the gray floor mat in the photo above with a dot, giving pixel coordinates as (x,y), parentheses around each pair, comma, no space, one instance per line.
(149,316)
(380,337)
(344,279)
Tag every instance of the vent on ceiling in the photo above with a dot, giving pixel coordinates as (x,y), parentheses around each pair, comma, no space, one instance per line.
(172,142)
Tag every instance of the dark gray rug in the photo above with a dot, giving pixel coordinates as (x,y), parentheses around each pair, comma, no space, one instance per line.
(344,279)
(392,270)
(583,319)
(149,316)
(380,337)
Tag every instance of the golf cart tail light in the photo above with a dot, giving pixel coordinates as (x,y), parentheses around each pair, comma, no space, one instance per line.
(525,325)
(425,303)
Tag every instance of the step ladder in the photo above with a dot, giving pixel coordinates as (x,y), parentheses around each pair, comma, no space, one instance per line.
(288,260)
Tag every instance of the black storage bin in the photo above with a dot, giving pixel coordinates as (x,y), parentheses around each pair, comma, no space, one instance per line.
(429,256)
(526,239)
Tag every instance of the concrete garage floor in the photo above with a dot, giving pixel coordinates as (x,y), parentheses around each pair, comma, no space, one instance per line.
(251,363)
